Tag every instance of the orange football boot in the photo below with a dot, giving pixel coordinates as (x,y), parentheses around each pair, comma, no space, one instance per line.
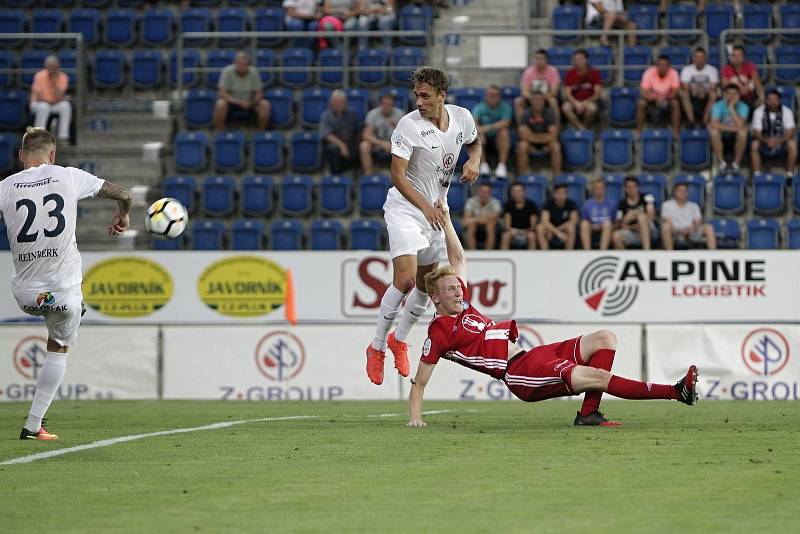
(400,351)
(375,364)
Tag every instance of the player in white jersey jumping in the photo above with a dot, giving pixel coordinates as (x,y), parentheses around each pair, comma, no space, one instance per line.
(40,207)
(425,147)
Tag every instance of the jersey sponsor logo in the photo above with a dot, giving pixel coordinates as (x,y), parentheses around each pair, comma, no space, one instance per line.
(765,351)
(31,256)
(243,286)
(45,298)
(459,138)
(280,356)
(127,287)
(473,323)
(398,140)
(37,183)
(426,347)
(426,133)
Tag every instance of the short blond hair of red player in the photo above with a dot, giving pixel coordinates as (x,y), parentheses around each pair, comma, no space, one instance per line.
(432,278)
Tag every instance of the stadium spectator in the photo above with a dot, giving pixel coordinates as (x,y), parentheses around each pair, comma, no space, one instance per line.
(339,127)
(493,118)
(538,131)
(659,89)
(302,15)
(773,133)
(376,15)
(519,220)
(682,223)
(376,136)
(699,82)
(49,95)
(240,88)
(609,14)
(744,75)
(559,220)
(636,216)
(481,213)
(583,87)
(729,123)
(597,218)
(338,15)
(540,77)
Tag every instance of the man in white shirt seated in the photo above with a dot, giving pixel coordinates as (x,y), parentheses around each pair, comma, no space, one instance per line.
(682,223)
(699,82)
(773,132)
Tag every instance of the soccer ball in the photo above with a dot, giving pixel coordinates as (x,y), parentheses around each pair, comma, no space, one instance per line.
(166,217)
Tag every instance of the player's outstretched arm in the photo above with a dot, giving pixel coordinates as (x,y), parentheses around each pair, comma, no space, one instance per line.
(121,221)
(433,215)
(418,384)
(455,251)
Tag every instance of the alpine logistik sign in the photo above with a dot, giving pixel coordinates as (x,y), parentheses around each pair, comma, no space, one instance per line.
(738,362)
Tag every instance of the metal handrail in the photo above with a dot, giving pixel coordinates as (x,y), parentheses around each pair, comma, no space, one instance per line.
(733,32)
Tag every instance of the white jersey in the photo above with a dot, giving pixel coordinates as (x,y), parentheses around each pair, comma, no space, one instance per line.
(40,208)
(431,153)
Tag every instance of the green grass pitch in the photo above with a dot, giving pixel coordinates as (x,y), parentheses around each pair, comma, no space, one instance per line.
(484,467)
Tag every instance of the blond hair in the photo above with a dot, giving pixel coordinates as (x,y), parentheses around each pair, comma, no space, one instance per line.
(37,141)
(432,278)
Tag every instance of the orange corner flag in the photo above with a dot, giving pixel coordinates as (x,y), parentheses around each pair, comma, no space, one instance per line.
(289,309)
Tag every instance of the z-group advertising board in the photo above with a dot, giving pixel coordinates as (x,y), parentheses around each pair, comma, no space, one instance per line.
(336,287)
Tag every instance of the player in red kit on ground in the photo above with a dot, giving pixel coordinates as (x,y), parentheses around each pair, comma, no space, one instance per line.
(462,334)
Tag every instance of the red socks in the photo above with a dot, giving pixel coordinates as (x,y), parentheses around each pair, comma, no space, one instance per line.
(602,359)
(625,388)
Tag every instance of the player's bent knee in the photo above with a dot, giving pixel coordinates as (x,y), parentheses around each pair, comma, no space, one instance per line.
(604,339)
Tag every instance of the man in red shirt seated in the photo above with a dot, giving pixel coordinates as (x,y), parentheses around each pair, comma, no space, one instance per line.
(462,334)
(744,75)
(583,87)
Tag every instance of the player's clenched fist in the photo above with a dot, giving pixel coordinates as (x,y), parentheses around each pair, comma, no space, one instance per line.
(470,172)
(416,423)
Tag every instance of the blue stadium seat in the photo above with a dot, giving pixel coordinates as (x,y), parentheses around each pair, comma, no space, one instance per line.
(602,59)
(207,235)
(8,60)
(86,22)
(232,19)
(788,97)
(296,195)
(578,148)
(757,53)
(763,234)
(756,17)
(331,57)
(401,96)
(718,17)
(269,19)
(218,60)
(229,148)
(120,27)
(696,184)
(467,97)
(457,196)
(458,226)
(409,57)
(792,234)
(679,55)
(191,60)
(567,17)
(157,27)
(576,186)
(415,18)
(372,57)
(218,196)
(68,58)
(13,109)
(681,17)
(358,102)
(286,234)
(313,102)
(47,21)
(695,150)
(109,69)
(615,187)
(729,194)
(645,16)
(179,243)
(656,147)
(366,234)
(268,151)
(536,187)
(713,56)
(265,59)
(622,106)
(183,189)
(198,108)
(325,234)
(509,93)
(336,195)
(12,21)
(9,146)
(247,234)
(636,55)
(191,151)
(297,57)
(728,231)
(786,55)
(282,101)
(147,69)
(4,242)
(372,193)
(31,61)
(195,19)
(258,196)
(617,148)
(769,194)
(796,193)
(790,20)
(653,184)
(561,58)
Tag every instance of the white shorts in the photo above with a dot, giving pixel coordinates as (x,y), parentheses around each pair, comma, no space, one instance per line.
(410,233)
(62,311)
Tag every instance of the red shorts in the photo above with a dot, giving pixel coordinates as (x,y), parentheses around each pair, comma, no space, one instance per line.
(545,371)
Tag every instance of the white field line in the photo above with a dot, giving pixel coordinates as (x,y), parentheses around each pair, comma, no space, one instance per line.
(213,426)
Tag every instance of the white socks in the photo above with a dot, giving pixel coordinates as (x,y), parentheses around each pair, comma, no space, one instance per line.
(50,376)
(416,304)
(390,304)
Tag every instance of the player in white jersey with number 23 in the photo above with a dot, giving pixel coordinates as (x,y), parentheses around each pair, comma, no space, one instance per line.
(425,147)
(40,205)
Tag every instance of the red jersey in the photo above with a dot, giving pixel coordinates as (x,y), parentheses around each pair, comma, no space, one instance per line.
(583,84)
(470,339)
(743,77)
